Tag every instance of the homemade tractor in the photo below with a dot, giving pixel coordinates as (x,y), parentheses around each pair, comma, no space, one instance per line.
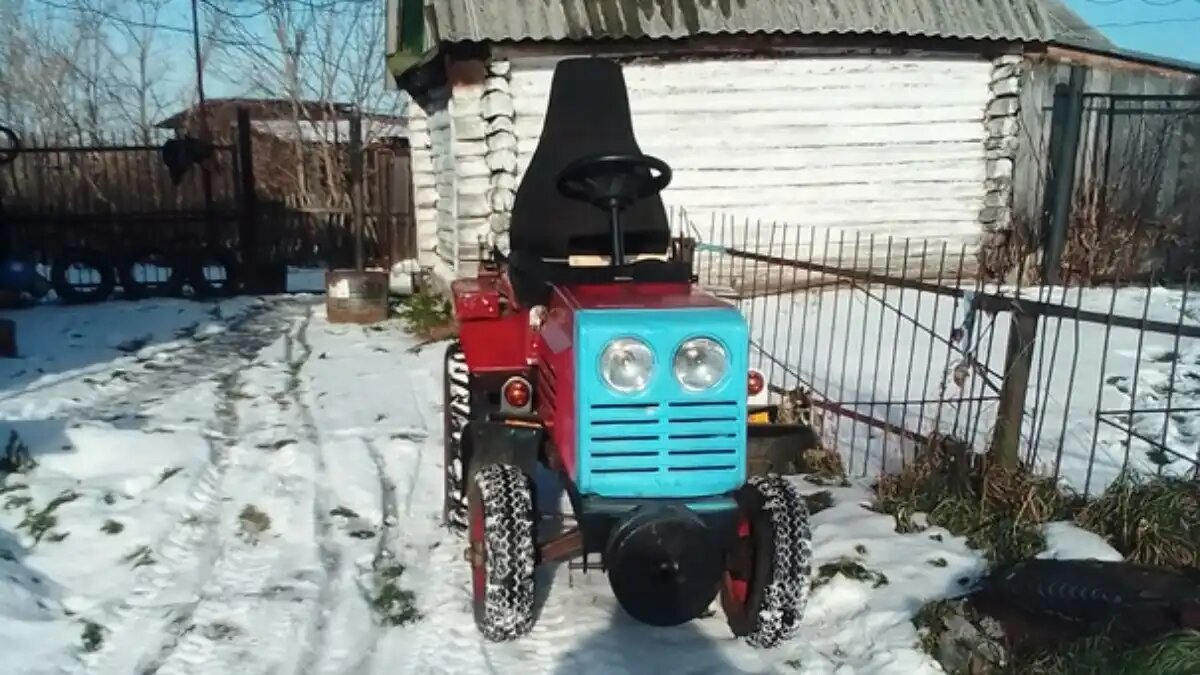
(589,350)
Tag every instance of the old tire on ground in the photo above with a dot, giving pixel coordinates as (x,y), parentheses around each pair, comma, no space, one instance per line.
(456,412)
(138,288)
(75,293)
(502,551)
(10,145)
(768,572)
(210,288)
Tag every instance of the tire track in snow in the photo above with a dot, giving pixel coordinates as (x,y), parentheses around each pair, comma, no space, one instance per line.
(446,641)
(315,646)
(165,592)
(270,593)
(136,382)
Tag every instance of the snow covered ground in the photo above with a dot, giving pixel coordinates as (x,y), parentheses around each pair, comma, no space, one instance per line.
(245,488)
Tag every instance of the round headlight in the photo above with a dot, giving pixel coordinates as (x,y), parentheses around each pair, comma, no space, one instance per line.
(700,363)
(626,364)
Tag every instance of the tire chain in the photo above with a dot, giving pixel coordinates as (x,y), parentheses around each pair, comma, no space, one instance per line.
(458,412)
(786,596)
(508,514)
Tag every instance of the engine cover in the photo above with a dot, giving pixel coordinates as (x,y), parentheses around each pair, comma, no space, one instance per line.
(664,564)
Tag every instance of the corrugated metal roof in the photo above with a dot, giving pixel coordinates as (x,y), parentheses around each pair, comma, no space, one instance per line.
(550,20)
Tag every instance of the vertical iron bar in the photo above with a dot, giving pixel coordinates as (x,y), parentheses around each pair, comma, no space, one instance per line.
(356,179)
(1112,306)
(1064,173)
(820,314)
(966,344)
(849,325)
(1108,150)
(1031,456)
(775,347)
(833,328)
(766,296)
(742,280)
(887,269)
(1175,356)
(937,309)
(863,357)
(1039,420)
(937,420)
(966,396)
(987,366)
(1137,371)
(912,346)
(791,320)
(812,247)
(887,408)
(1062,435)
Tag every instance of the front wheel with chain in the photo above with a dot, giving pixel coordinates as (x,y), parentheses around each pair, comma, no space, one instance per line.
(502,551)
(455,415)
(768,572)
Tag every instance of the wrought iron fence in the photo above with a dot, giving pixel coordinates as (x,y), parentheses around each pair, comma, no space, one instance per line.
(118,196)
(898,342)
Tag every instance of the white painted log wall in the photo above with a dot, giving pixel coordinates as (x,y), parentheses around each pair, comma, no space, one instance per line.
(425,193)
(892,146)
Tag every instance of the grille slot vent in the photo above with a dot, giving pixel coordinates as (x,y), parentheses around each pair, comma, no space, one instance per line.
(679,437)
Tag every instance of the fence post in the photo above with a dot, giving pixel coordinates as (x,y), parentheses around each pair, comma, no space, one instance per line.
(1018,363)
(1186,202)
(1065,128)
(356,178)
(248,227)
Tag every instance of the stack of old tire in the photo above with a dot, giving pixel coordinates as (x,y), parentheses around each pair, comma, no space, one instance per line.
(183,270)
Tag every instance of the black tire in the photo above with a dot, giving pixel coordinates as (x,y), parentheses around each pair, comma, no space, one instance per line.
(74,294)
(772,562)
(208,288)
(502,552)
(10,145)
(137,289)
(456,412)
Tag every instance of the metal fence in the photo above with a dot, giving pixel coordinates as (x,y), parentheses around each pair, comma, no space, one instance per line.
(118,197)
(1118,189)
(898,342)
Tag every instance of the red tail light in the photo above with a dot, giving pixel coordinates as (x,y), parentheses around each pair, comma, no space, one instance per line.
(517,392)
(755,383)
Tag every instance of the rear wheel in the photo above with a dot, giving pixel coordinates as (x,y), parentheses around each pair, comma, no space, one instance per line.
(456,412)
(768,572)
(502,552)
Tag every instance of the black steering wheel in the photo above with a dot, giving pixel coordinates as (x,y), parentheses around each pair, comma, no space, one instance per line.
(10,145)
(613,182)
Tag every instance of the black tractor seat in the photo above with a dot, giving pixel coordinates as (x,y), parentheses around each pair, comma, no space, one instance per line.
(533,277)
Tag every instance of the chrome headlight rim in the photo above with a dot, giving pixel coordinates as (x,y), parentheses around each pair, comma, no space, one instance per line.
(725,354)
(605,377)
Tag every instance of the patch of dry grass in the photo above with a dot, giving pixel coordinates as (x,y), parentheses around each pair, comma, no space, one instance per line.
(1000,511)
(1150,521)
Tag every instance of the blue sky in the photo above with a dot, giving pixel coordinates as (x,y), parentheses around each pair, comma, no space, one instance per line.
(1164,27)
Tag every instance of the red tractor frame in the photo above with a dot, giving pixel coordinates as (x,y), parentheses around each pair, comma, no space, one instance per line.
(590,354)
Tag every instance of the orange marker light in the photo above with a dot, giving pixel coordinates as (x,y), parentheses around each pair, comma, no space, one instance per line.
(755,383)
(517,392)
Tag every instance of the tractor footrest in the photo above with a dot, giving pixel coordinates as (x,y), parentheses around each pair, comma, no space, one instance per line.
(593,562)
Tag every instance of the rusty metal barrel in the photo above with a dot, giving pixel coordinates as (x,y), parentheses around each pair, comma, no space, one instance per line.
(353,296)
